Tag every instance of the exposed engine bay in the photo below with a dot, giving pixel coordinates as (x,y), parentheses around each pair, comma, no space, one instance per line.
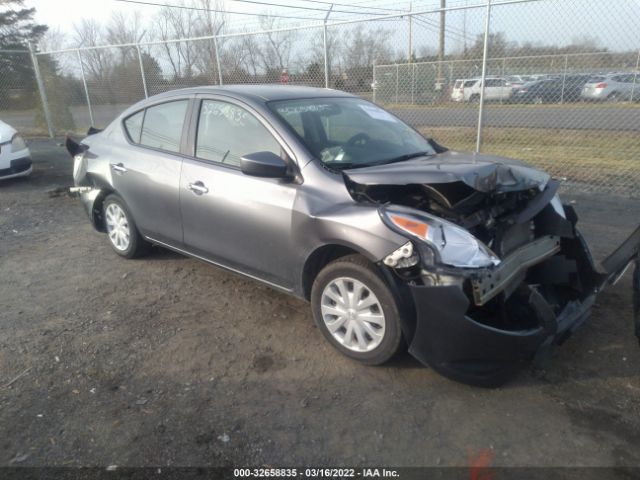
(534,290)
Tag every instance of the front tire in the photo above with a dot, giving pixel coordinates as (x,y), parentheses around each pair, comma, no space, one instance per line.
(121,230)
(355,310)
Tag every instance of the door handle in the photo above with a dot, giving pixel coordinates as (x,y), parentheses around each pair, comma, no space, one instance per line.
(198,188)
(118,167)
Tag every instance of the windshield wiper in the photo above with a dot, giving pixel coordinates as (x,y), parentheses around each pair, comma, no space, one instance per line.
(402,158)
(338,165)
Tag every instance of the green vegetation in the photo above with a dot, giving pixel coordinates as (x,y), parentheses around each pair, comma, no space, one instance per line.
(605,159)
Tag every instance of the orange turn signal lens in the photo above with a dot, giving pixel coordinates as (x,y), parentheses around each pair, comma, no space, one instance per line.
(412,226)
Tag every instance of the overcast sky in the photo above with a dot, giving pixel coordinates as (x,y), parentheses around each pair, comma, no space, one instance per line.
(612,23)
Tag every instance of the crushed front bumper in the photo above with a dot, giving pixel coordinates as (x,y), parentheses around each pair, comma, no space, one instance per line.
(468,351)
(447,338)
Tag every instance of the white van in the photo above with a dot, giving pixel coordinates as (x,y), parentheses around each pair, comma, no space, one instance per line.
(468,90)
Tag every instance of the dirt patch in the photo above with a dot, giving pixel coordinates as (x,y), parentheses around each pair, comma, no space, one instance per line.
(169,361)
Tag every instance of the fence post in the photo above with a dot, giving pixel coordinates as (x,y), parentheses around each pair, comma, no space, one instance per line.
(485,51)
(504,59)
(635,77)
(374,85)
(564,77)
(326,48)
(43,93)
(397,81)
(86,89)
(144,78)
(413,82)
(215,46)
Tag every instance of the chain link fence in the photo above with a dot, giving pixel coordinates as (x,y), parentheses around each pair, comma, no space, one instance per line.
(553,82)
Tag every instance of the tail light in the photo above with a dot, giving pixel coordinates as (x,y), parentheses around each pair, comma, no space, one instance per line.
(601,85)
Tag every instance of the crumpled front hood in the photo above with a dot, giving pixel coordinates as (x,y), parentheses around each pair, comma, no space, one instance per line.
(484,173)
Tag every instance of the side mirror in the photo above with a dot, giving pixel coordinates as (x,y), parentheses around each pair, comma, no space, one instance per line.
(263,164)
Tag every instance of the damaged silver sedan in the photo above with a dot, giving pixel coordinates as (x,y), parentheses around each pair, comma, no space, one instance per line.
(471,261)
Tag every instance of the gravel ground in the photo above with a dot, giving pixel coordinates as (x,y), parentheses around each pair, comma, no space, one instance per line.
(169,361)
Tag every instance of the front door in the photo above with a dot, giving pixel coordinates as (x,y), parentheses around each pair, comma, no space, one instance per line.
(235,220)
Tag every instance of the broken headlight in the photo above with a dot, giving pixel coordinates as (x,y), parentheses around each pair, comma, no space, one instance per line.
(447,243)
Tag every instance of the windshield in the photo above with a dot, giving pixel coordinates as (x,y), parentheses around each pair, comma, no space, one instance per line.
(350,132)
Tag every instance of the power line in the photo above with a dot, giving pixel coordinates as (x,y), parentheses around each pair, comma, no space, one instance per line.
(257,2)
(433,27)
(351,5)
(271,4)
(184,7)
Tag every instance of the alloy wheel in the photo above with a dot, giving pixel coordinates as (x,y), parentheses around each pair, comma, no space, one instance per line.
(353,315)
(117,227)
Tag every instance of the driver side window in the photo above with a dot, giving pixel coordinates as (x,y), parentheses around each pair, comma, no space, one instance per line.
(226,132)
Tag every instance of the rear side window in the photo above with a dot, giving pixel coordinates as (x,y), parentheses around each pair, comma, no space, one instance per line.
(162,126)
(494,82)
(133,125)
(226,132)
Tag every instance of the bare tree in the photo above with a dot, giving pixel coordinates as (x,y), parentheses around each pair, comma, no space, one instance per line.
(364,46)
(98,63)
(122,29)
(176,23)
(210,19)
(53,39)
(275,52)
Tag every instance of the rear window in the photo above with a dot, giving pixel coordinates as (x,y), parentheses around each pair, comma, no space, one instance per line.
(494,82)
(596,80)
(162,126)
(133,126)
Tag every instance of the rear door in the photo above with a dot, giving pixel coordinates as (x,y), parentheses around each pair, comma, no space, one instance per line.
(232,219)
(146,173)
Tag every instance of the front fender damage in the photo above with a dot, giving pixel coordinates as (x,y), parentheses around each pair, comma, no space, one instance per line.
(482,326)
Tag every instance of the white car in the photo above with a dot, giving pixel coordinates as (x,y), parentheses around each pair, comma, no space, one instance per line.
(468,90)
(15,157)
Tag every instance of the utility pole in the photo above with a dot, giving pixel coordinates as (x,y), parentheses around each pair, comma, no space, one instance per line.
(440,79)
(325,43)
(410,56)
(464,27)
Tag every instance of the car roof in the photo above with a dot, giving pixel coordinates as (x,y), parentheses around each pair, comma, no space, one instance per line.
(259,93)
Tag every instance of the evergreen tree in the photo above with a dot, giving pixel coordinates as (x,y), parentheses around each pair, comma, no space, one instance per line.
(17,29)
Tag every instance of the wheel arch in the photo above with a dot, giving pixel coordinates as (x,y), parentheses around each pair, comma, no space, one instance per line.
(320,258)
(96,209)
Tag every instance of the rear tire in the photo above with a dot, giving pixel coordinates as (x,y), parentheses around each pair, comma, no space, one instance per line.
(355,310)
(121,229)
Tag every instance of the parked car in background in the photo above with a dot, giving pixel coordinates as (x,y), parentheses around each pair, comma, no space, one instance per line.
(517,81)
(15,157)
(457,93)
(496,89)
(470,260)
(567,89)
(613,87)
